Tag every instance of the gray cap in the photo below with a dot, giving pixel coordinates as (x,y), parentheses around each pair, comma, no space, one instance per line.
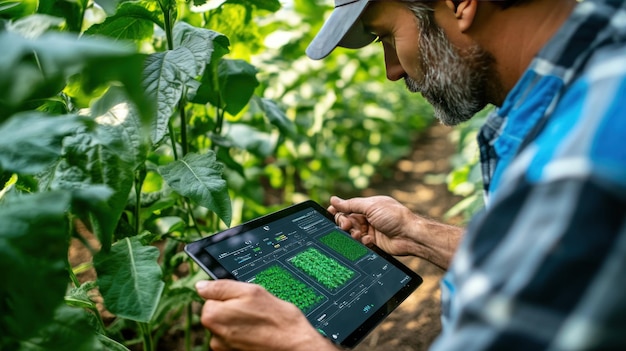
(343,28)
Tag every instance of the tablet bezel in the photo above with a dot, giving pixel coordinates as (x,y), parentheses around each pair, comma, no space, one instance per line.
(216,271)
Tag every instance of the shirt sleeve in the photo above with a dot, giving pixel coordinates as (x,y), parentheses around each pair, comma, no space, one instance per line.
(543,269)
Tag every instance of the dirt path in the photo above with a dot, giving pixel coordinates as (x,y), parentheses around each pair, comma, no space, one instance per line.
(419,183)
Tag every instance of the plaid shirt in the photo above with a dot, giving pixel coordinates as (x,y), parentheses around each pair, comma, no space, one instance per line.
(544,266)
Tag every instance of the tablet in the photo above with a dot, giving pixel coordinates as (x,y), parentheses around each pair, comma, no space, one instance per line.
(300,255)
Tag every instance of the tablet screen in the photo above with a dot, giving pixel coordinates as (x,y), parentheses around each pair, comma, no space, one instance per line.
(300,255)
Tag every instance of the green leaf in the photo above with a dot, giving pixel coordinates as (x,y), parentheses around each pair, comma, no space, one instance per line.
(199,177)
(13,9)
(131,22)
(236,81)
(174,300)
(202,43)
(39,68)
(91,161)
(79,296)
(33,253)
(30,142)
(71,11)
(110,344)
(70,330)
(224,156)
(165,76)
(120,127)
(247,138)
(276,116)
(269,5)
(237,84)
(108,6)
(129,279)
(34,25)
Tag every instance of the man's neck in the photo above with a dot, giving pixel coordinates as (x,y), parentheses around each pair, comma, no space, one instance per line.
(516,35)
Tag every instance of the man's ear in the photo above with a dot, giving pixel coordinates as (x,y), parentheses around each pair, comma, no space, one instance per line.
(464,11)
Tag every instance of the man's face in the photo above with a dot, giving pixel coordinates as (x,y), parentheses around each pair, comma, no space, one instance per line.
(453,78)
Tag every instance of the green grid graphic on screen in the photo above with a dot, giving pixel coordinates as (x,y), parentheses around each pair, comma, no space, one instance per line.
(344,245)
(282,284)
(326,270)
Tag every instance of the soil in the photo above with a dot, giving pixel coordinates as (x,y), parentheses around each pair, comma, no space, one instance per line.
(418,182)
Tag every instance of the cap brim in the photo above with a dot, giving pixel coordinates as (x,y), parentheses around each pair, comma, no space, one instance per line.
(343,28)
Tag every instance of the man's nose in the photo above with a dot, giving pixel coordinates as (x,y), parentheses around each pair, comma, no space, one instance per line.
(394,69)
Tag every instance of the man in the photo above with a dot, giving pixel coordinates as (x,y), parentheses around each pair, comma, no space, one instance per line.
(544,266)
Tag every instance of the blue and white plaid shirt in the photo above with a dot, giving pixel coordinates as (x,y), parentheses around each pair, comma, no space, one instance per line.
(544,266)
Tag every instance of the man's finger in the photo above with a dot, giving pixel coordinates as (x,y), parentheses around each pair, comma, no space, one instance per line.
(354,205)
(221,290)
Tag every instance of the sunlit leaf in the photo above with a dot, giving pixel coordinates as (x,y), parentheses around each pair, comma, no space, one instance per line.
(199,177)
(202,43)
(108,6)
(120,127)
(17,8)
(34,25)
(269,5)
(129,279)
(131,22)
(165,76)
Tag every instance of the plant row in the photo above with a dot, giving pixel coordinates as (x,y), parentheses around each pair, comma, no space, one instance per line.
(327,271)
(345,246)
(282,284)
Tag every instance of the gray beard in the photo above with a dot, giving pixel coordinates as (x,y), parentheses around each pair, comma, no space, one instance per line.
(454,83)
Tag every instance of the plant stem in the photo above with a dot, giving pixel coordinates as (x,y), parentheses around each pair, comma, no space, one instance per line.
(183,125)
(188,328)
(193,218)
(147,337)
(73,276)
(173,139)
(167,15)
(140,176)
(219,113)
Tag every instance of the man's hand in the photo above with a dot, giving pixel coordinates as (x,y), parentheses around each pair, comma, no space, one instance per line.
(384,222)
(246,317)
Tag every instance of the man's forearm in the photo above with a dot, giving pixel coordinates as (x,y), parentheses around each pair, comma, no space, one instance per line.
(435,242)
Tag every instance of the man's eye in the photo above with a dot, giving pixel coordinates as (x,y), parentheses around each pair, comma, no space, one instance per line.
(378,39)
